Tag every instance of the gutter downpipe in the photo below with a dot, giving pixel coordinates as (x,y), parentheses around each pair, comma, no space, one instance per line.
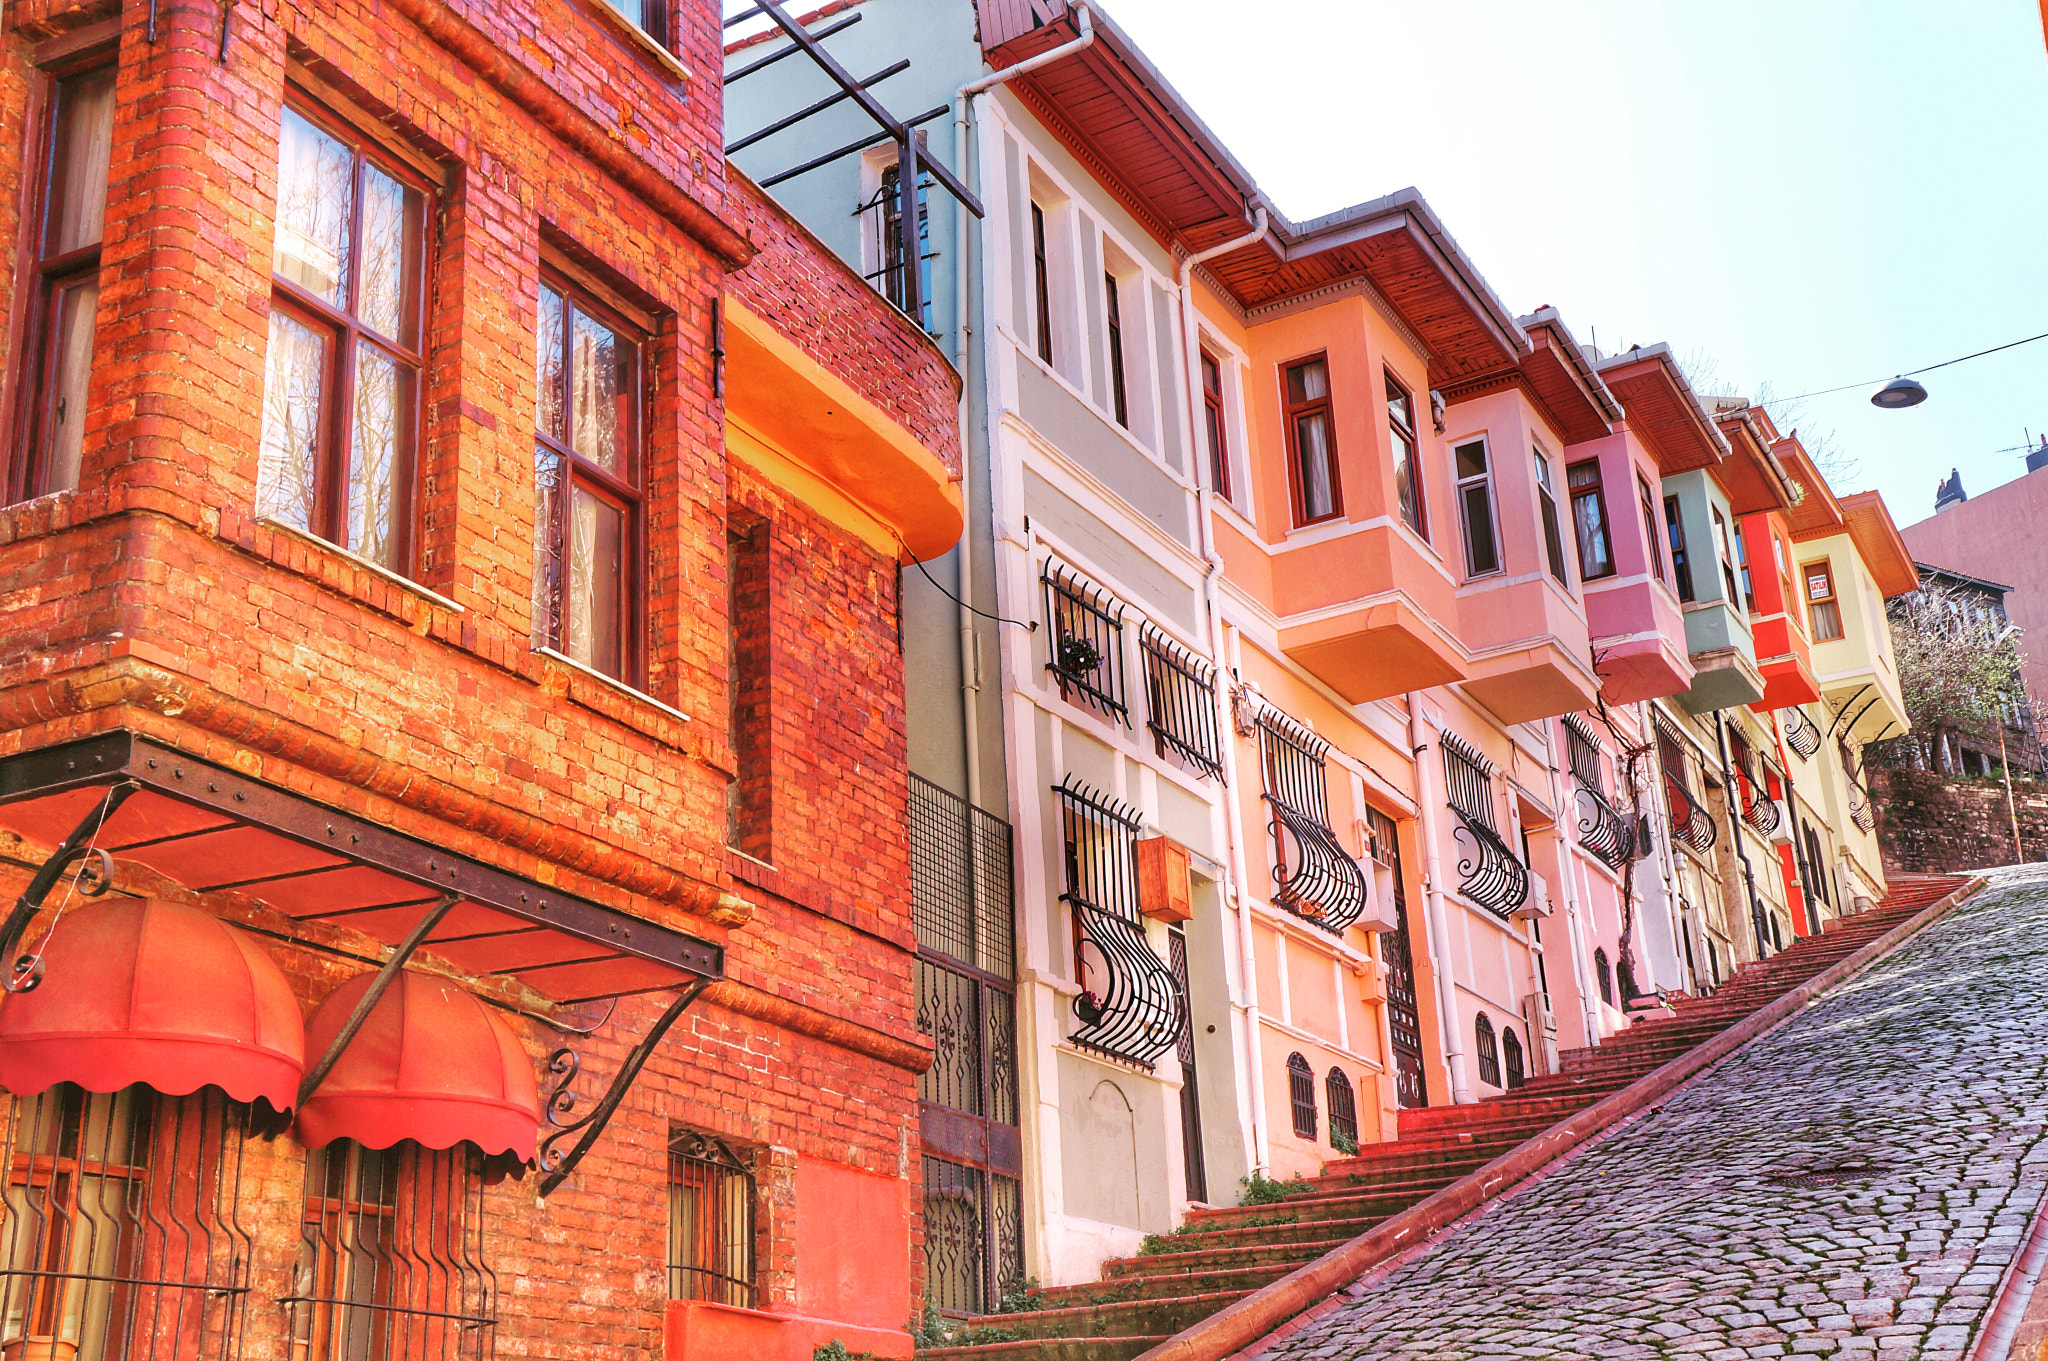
(1756,907)
(1248,979)
(1667,863)
(1574,931)
(1433,896)
(970,683)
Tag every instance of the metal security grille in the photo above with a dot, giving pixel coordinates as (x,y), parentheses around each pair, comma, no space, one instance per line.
(1343,1110)
(1404,1018)
(1301,1094)
(1860,810)
(1604,976)
(1488,1050)
(1130,1007)
(1194,1165)
(1690,825)
(1180,697)
(1800,733)
(1511,1057)
(1468,780)
(123,1234)
(1759,810)
(1085,637)
(1314,877)
(882,227)
(391,1262)
(1601,827)
(1488,872)
(711,1206)
(973,1236)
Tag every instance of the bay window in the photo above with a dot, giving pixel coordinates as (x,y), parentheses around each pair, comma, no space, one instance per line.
(1407,475)
(1312,442)
(1546,500)
(1589,521)
(1475,508)
(1652,540)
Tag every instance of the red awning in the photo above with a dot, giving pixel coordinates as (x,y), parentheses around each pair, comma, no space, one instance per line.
(431,1063)
(143,990)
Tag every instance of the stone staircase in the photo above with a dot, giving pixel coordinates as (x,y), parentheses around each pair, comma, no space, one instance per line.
(1222,1255)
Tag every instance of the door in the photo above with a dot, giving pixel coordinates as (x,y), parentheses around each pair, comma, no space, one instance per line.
(1190,1089)
(1404,1019)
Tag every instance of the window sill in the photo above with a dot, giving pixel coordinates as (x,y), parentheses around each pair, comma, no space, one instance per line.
(376,569)
(618,701)
(644,40)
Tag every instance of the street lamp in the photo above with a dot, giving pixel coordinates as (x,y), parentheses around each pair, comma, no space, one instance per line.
(1900,392)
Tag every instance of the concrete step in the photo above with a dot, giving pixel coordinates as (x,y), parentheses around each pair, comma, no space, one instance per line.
(1050,1349)
(1126,1318)
(1160,1285)
(1245,1253)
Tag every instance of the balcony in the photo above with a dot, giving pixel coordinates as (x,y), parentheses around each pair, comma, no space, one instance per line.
(1763,496)
(1846,577)
(1344,618)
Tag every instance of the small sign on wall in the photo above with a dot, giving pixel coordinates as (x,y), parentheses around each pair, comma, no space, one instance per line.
(1163,890)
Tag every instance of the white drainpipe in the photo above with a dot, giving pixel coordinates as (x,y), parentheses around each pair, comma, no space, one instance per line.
(1426,802)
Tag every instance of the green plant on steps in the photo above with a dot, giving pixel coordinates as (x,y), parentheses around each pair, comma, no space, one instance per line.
(1260,1189)
(1344,1142)
(835,1350)
(1021,1298)
(930,1330)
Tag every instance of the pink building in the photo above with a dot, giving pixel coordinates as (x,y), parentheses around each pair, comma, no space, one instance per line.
(1997,535)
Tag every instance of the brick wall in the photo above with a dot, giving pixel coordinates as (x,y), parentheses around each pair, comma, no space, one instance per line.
(1931,824)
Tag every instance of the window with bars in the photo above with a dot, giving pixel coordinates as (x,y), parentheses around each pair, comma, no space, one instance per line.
(712,1204)
(973,1237)
(1301,1095)
(1511,1057)
(1800,733)
(123,1235)
(1487,1048)
(882,217)
(1468,780)
(1603,975)
(1601,828)
(1314,876)
(391,1262)
(1690,825)
(1130,1007)
(1085,641)
(1343,1111)
(1488,872)
(1758,808)
(1180,695)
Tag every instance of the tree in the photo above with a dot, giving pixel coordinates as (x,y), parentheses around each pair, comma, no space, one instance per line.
(1959,671)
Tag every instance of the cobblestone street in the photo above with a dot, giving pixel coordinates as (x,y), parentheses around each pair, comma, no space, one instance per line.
(1853,1184)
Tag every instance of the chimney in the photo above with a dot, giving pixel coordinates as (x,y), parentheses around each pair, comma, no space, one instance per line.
(2037,458)
(1950,492)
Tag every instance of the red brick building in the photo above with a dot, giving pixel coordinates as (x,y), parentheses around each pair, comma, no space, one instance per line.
(450,655)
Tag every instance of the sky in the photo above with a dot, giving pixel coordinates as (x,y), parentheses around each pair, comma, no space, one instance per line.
(1799,193)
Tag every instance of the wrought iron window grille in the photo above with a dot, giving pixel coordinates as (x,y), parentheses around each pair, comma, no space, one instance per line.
(1301,1095)
(712,1202)
(1314,877)
(1180,697)
(1468,778)
(1690,825)
(1487,1049)
(1343,1110)
(973,1237)
(1800,733)
(1511,1057)
(1604,976)
(1131,1007)
(883,230)
(1488,872)
(391,1260)
(1758,808)
(1861,810)
(1085,637)
(123,1231)
(1601,827)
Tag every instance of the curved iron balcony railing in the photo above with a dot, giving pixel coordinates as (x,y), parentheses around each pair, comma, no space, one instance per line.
(1800,733)
(1142,1012)
(1602,829)
(1319,881)
(1759,809)
(1860,811)
(1488,873)
(1690,824)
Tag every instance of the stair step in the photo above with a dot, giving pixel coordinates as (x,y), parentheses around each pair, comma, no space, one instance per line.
(1050,1349)
(1159,1285)
(1127,1318)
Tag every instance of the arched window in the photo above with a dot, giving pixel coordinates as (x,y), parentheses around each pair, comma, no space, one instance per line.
(1489,1052)
(1511,1053)
(1301,1092)
(1606,978)
(1343,1112)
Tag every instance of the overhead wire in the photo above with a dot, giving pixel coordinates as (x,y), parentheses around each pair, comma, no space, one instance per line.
(1914,373)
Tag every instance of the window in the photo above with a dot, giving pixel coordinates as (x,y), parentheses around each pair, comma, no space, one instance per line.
(1120,403)
(894,274)
(749,685)
(1317,494)
(1821,604)
(1721,539)
(1511,1057)
(1085,639)
(391,1262)
(646,15)
(1742,570)
(1475,508)
(341,385)
(711,1195)
(1487,1049)
(1301,1094)
(1314,876)
(64,242)
(586,477)
(1652,540)
(1131,1006)
(1603,976)
(1546,500)
(1343,1111)
(1180,693)
(1407,471)
(1468,780)
(1044,281)
(1681,565)
(1589,521)
(1212,416)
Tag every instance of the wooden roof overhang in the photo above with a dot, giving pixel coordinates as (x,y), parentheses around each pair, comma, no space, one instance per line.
(1580,405)
(1662,410)
(1752,476)
(212,829)
(1879,542)
(1817,511)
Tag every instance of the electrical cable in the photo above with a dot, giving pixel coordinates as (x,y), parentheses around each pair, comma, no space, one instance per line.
(1914,373)
(1031,624)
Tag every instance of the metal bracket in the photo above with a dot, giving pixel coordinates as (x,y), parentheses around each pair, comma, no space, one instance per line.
(368,1001)
(75,847)
(565,1065)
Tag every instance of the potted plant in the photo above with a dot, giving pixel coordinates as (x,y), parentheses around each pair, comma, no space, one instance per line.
(1075,655)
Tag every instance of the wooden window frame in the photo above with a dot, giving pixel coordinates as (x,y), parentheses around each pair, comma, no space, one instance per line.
(1724,536)
(1807,571)
(1463,485)
(1598,493)
(629,495)
(1681,557)
(1301,1096)
(1399,391)
(1044,277)
(1113,315)
(1291,413)
(27,474)
(1653,535)
(1546,506)
(346,332)
(1217,425)
(1486,1049)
